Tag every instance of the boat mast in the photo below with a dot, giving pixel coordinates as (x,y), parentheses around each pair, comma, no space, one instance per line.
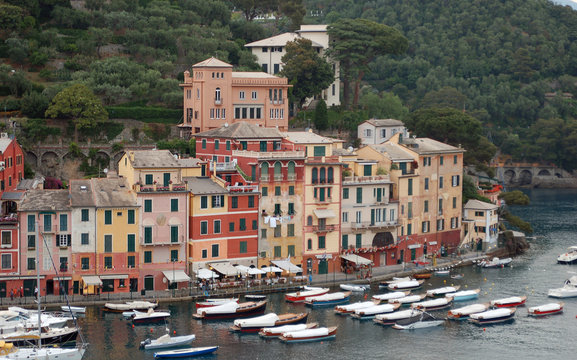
(38,283)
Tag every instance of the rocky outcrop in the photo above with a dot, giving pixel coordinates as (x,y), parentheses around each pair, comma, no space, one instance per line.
(511,243)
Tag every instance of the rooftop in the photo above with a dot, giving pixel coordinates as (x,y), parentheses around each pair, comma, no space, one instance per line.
(154,159)
(190,162)
(385,122)
(308,137)
(81,193)
(112,193)
(253,75)
(425,146)
(480,205)
(395,153)
(279,40)
(46,200)
(242,130)
(204,185)
(212,62)
(312,28)
(5,141)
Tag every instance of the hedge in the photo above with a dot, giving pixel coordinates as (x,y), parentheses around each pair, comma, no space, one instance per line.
(145,114)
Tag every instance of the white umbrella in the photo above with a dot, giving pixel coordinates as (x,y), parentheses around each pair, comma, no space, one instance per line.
(249,270)
(206,274)
(271,269)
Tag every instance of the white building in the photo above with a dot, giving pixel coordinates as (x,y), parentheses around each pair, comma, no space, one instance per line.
(269,52)
(481,223)
(377,131)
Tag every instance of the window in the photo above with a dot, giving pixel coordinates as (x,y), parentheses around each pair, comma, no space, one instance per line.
(368,132)
(204,143)
(359,241)
(440,182)
(426,183)
(131,243)
(455,180)
(291,208)
(426,206)
(410,210)
(255,225)
(108,262)
(319,151)
(330,175)
(148,180)
(409,229)
(290,250)
(130,217)
(31,264)
(107,217)
(359,195)
(440,206)
(309,244)
(131,261)
(31,223)
(441,160)
(278,231)
(85,263)
(251,201)
(277,210)
(174,232)
(440,224)
(262,146)
(290,230)
(263,233)
(108,243)
(148,205)
(455,159)
(216,145)
(204,202)
(242,225)
(231,226)
(63,222)
(315,176)
(241,95)
(148,235)
(345,193)
(264,191)
(243,248)
(309,220)
(277,251)
(173,255)
(204,253)
(216,227)
(323,175)
(203,227)
(322,240)
(227,144)
(479,213)
(291,190)
(277,191)
(410,187)
(345,217)
(277,171)
(214,250)
(47,223)
(425,226)
(345,241)
(6,261)
(454,202)
(217,201)
(234,202)
(6,238)
(173,205)
(454,222)
(147,257)
(84,215)
(31,241)
(63,240)
(367,170)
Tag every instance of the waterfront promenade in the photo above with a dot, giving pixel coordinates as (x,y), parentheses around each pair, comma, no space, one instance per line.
(379,273)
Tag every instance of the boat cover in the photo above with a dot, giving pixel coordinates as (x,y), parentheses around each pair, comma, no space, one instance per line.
(327,297)
(285,328)
(228,307)
(463,293)
(509,300)
(546,307)
(355,306)
(430,303)
(406,299)
(397,315)
(391,295)
(404,284)
(443,290)
(259,321)
(491,314)
(313,292)
(307,333)
(377,309)
(469,309)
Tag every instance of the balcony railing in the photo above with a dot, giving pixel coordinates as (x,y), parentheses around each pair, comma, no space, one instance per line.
(264,178)
(243,188)
(217,101)
(327,199)
(348,180)
(280,154)
(325,228)
(222,166)
(160,188)
(369,225)
(278,177)
(162,241)
(277,102)
(291,177)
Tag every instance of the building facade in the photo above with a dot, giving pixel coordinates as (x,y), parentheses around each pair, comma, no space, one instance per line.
(377,131)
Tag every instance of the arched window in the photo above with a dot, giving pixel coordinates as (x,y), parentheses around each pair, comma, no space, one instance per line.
(309,220)
(315,175)
(323,175)
(217,94)
(264,172)
(277,171)
(330,176)
(291,170)
(309,244)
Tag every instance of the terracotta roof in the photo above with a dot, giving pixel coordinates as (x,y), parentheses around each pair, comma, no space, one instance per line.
(212,62)
(242,130)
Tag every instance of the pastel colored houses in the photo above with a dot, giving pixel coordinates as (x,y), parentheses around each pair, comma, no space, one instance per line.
(11,164)
(481,221)
(215,95)
(377,131)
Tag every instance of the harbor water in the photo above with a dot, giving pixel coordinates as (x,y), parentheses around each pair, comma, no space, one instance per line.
(553,215)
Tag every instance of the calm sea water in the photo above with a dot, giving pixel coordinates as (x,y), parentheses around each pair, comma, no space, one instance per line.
(552,213)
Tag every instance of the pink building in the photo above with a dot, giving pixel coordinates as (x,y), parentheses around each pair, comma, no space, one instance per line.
(214,95)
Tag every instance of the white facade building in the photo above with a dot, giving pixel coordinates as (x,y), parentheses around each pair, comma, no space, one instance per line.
(481,222)
(377,131)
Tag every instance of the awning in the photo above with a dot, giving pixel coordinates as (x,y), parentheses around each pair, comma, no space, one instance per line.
(206,274)
(12,195)
(359,260)
(176,276)
(91,280)
(114,276)
(225,268)
(414,246)
(271,269)
(324,214)
(433,243)
(287,266)
(56,278)
(249,270)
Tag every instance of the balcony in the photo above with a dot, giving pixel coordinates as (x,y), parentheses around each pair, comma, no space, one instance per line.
(264,178)
(9,219)
(217,101)
(160,188)
(242,188)
(222,166)
(278,177)
(270,155)
(277,102)
(373,225)
(324,201)
(291,177)
(378,179)
(162,241)
(325,228)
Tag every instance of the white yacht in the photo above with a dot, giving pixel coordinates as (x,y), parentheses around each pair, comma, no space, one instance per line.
(570,257)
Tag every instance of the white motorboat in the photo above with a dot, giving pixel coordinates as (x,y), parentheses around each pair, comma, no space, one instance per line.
(130,305)
(493,316)
(443,291)
(73,309)
(547,309)
(166,341)
(354,288)
(29,318)
(465,295)
(300,296)
(9,351)
(569,257)
(418,321)
(255,324)
(149,317)
(316,334)
(391,295)
(338,297)
(188,352)
(370,312)
(495,263)
(348,309)
(464,312)
(512,301)
(568,290)
(392,318)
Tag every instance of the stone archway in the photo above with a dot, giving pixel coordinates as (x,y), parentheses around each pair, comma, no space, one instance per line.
(525,177)
(510,176)
(544,172)
(31,158)
(71,167)
(102,159)
(50,164)
(116,158)
(383,239)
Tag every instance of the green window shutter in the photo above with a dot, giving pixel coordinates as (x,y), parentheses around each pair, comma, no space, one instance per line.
(31,223)
(174,234)
(131,219)
(291,190)
(148,235)
(203,227)
(359,195)
(131,246)
(255,225)
(322,242)
(148,257)
(251,201)
(319,151)
(108,243)
(108,217)
(242,224)
(345,193)
(148,205)
(345,241)
(277,251)
(359,240)
(173,205)
(410,187)
(47,222)
(243,247)
(204,202)
(173,255)
(215,250)
(367,170)
(231,226)
(148,180)
(291,250)
(63,222)
(291,230)
(84,215)
(264,191)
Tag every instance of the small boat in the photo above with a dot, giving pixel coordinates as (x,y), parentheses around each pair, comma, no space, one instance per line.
(73,309)
(495,263)
(269,320)
(407,300)
(442,291)
(463,313)
(493,316)
(386,283)
(392,318)
(435,304)
(328,299)
(570,257)
(149,317)
(425,275)
(275,332)
(406,285)
(371,312)
(418,321)
(300,296)
(348,309)
(464,295)
(9,351)
(254,297)
(391,295)
(231,310)
(166,341)
(442,272)
(457,276)
(569,289)
(130,305)
(547,309)
(512,301)
(48,336)
(186,352)
(354,288)
(215,302)
(316,334)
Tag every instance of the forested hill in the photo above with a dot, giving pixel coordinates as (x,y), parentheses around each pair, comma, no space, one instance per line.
(500,60)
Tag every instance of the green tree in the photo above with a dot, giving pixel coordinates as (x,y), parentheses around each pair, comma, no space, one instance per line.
(78,104)
(34,104)
(321,115)
(355,44)
(383,106)
(305,70)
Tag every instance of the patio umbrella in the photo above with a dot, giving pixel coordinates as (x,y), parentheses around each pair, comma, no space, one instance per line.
(249,270)
(272,269)
(206,274)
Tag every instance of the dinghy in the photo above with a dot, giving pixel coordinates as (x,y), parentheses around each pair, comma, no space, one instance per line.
(130,305)
(269,320)
(231,310)
(464,312)
(392,318)
(493,316)
(568,290)
(354,288)
(166,341)
(275,332)
(435,304)
(215,302)
(547,309)
(317,334)
(328,299)
(442,291)
(407,300)
(391,295)
(512,301)
(418,321)
(185,352)
(348,309)
(149,317)
(73,309)
(406,285)
(371,312)
(465,295)
(300,296)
